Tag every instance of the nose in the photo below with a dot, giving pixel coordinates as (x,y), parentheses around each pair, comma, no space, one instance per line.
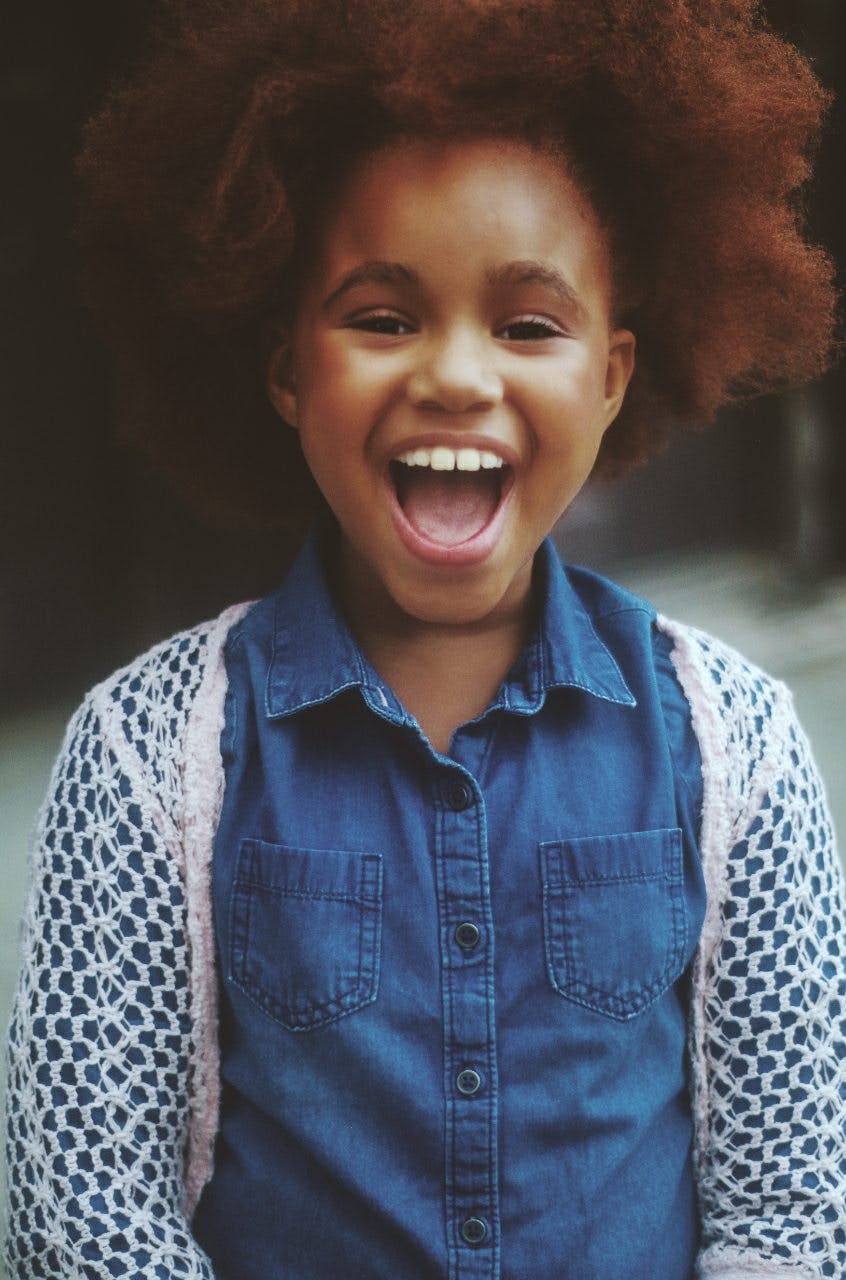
(455,374)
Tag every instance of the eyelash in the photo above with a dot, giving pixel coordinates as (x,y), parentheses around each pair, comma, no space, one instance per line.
(384,323)
(387,324)
(538,327)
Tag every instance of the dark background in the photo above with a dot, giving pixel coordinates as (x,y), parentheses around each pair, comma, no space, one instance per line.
(97,559)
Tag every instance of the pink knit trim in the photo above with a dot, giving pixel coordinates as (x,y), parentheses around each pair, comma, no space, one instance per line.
(203,795)
(721,827)
(771,765)
(717,818)
(738,1264)
(698,688)
(753,756)
(110,717)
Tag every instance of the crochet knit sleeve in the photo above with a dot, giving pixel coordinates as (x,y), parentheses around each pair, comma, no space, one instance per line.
(102,1060)
(768,1045)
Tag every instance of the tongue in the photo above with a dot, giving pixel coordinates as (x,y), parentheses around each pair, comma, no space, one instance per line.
(449,506)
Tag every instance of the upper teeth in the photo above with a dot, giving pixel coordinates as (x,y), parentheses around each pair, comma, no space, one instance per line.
(443,458)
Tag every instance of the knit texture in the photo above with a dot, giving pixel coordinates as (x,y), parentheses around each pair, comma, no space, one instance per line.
(768,1025)
(113,1071)
(110,1087)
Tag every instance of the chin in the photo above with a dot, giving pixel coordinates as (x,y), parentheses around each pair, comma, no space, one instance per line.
(454,604)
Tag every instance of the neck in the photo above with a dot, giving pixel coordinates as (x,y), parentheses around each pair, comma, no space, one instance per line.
(444,674)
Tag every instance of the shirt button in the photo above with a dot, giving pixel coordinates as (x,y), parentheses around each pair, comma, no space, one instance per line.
(468,1082)
(467,935)
(474,1231)
(459,796)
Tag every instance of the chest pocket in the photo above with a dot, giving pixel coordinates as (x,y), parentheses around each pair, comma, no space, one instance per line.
(614,919)
(305,931)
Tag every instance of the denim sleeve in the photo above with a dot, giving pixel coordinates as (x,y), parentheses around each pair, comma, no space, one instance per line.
(97,1100)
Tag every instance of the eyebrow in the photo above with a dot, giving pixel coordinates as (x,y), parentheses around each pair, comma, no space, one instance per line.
(523,271)
(373,272)
(542,273)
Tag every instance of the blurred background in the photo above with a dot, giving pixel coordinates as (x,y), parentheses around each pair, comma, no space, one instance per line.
(741,530)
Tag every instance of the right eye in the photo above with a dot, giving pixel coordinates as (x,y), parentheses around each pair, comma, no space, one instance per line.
(386,323)
(530,329)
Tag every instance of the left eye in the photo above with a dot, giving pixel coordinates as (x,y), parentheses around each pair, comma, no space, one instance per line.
(383,323)
(529,329)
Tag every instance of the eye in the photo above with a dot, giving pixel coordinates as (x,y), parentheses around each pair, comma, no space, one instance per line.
(386,323)
(530,329)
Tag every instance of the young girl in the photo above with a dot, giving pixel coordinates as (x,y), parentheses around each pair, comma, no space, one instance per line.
(445,914)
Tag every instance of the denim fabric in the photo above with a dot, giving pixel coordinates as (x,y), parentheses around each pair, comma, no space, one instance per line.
(454,988)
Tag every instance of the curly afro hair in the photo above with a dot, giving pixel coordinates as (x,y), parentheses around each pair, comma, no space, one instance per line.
(689,124)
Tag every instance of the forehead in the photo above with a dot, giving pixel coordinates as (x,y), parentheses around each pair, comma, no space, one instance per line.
(448,210)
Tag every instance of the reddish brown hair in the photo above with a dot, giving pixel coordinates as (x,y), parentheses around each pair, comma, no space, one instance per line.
(689,124)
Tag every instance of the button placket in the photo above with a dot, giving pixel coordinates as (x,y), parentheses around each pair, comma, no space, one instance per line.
(469,1043)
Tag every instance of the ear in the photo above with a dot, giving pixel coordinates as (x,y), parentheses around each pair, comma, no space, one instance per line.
(280,381)
(621,364)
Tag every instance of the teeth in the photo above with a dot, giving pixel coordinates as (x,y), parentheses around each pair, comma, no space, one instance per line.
(443,458)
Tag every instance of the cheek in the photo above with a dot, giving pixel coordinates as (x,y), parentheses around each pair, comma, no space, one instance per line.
(343,387)
(589,383)
(320,374)
(568,415)
(573,385)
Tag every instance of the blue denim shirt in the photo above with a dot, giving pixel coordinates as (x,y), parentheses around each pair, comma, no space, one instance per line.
(454,988)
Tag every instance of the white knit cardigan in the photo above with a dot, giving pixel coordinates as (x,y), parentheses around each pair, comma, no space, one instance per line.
(113,1070)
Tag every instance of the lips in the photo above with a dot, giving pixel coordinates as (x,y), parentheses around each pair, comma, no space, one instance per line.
(448,501)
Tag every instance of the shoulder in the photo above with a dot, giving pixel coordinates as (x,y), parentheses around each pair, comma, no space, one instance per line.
(734,704)
(737,707)
(144,711)
(166,675)
(742,718)
(602,597)
(728,670)
(632,627)
(753,748)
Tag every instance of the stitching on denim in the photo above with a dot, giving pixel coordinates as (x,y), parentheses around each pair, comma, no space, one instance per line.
(316,895)
(338,1007)
(354,995)
(360,992)
(600,880)
(556,940)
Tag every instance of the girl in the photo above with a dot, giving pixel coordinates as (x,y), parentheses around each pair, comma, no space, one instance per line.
(446,913)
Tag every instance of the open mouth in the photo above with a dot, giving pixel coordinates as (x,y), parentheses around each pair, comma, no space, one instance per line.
(449,496)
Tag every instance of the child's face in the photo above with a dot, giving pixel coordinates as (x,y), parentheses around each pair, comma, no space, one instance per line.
(457,316)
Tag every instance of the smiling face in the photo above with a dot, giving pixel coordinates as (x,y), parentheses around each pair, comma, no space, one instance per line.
(451,372)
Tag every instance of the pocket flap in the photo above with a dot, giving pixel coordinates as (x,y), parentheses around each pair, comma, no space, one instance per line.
(310,873)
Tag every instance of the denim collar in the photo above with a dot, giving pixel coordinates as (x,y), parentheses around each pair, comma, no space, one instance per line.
(315,656)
